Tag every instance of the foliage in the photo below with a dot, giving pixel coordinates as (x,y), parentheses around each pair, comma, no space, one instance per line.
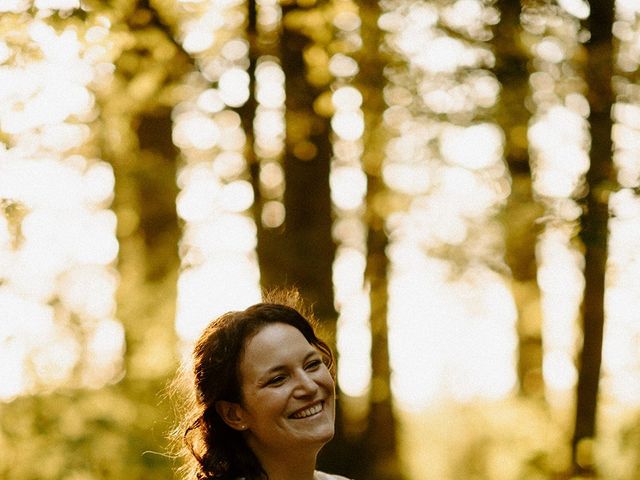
(104,434)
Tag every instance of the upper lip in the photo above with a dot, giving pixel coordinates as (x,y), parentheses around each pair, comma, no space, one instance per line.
(310,405)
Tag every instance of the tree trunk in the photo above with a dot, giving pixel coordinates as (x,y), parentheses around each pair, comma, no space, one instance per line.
(302,254)
(521,212)
(381,443)
(136,140)
(594,228)
(381,432)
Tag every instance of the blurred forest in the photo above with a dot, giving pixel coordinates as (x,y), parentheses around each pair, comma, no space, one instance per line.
(453,184)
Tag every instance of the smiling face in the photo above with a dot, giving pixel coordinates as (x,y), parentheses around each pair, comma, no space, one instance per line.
(288,394)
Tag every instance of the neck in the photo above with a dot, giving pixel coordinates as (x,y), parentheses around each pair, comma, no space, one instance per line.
(290,465)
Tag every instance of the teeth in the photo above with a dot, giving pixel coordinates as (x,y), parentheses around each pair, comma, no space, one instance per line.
(307,412)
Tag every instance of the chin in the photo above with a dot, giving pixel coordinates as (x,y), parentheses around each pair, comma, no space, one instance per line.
(319,436)
(326,436)
(330,436)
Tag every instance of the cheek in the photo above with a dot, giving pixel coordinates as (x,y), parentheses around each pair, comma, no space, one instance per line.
(326,380)
(272,401)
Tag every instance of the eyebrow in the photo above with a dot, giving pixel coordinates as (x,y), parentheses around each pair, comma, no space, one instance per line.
(277,368)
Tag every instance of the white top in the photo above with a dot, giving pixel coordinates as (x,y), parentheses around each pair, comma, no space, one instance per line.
(321,476)
(326,476)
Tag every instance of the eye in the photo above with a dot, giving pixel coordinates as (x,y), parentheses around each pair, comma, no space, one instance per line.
(313,364)
(276,381)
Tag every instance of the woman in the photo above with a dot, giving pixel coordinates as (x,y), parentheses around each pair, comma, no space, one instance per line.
(264,401)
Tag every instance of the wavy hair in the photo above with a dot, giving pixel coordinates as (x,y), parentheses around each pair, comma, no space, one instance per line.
(212,449)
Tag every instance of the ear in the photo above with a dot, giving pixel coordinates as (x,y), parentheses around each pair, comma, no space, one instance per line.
(232,414)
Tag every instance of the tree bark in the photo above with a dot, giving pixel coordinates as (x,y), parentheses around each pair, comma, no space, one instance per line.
(594,227)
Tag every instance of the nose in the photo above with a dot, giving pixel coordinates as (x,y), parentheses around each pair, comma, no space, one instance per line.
(306,385)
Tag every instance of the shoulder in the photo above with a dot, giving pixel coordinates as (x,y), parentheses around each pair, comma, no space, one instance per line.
(326,476)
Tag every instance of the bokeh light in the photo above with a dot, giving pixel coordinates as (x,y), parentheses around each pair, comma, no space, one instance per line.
(449,169)
(621,363)
(146,151)
(348,184)
(218,245)
(559,144)
(58,246)
(269,131)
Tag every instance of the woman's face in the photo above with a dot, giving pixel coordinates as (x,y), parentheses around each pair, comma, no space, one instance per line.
(288,392)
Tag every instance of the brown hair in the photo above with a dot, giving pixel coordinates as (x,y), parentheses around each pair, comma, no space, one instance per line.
(215,451)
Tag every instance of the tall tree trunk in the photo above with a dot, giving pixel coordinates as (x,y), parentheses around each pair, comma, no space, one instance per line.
(594,227)
(304,255)
(309,248)
(381,433)
(136,140)
(521,212)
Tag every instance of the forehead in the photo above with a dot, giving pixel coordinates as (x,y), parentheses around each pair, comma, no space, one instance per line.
(275,344)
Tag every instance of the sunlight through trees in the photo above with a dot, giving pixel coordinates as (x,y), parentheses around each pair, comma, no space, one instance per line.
(453,184)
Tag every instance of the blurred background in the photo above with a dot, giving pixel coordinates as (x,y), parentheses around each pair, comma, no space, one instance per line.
(453,184)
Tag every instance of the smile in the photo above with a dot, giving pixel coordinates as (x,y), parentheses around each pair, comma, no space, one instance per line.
(308,412)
